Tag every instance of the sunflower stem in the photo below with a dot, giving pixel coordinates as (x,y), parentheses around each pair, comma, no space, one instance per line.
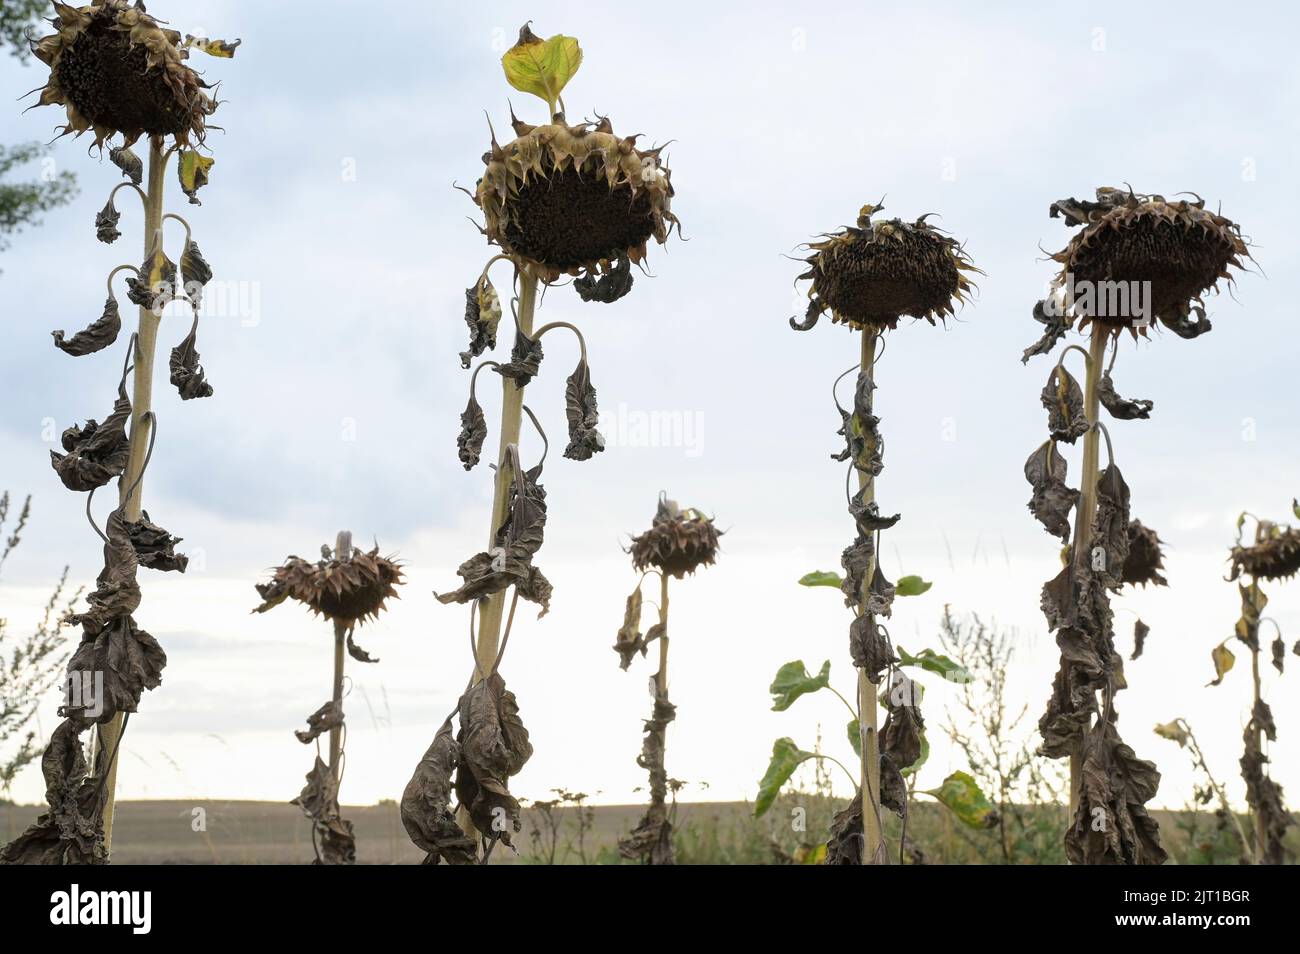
(873,840)
(1087,507)
(491,609)
(342,551)
(131,484)
(1261,836)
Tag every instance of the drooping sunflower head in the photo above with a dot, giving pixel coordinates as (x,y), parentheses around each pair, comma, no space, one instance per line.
(1145,557)
(1169,253)
(116,70)
(350,589)
(574,199)
(870,275)
(1275,554)
(678,541)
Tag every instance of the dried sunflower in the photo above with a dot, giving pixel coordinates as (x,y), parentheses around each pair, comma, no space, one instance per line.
(872,274)
(116,70)
(1179,247)
(1145,557)
(678,541)
(570,199)
(350,590)
(1275,555)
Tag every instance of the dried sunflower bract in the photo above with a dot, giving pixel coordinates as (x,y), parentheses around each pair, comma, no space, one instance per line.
(678,541)
(871,275)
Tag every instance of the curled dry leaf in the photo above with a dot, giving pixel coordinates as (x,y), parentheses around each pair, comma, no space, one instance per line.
(70,830)
(193,170)
(196,273)
(493,747)
(1140,632)
(869,646)
(332,836)
(96,453)
(860,430)
(96,336)
(525,360)
(582,414)
(1066,417)
(1122,409)
(1279,655)
(1055,325)
(355,651)
(482,314)
(155,287)
(844,847)
(630,641)
(1112,825)
(1110,528)
(130,164)
(106,220)
(473,432)
(652,839)
(155,548)
(607,288)
(186,371)
(1264,796)
(327,717)
(426,805)
(516,542)
(1053,501)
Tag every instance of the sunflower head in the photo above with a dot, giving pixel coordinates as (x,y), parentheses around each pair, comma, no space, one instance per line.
(1127,240)
(678,541)
(350,590)
(871,274)
(115,70)
(1275,554)
(574,199)
(1145,557)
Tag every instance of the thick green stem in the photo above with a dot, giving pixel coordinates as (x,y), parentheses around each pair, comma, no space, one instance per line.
(142,404)
(342,551)
(1087,507)
(873,839)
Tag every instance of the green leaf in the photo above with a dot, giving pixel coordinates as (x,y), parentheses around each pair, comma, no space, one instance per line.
(1295,507)
(542,67)
(962,795)
(792,681)
(821,578)
(911,586)
(937,663)
(855,737)
(786,757)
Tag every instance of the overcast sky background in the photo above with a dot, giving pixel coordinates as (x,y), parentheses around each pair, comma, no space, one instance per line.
(338,396)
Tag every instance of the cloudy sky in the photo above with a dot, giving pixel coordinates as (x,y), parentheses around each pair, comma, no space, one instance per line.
(332,218)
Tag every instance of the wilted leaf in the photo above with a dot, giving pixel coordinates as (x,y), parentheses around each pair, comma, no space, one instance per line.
(821,578)
(332,837)
(786,757)
(1223,660)
(1174,732)
(106,220)
(193,170)
(1279,654)
(911,586)
(1110,528)
(195,272)
(1120,408)
(155,548)
(1052,501)
(186,372)
(869,646)
(218,48)
(630,640)
(128,162)
(483,315)
(355,651)
(473,432)
(542,67)
(607,288)
(792,681)
(96,453)
(652,839)
(327,717)
(155,287)
(937,663)
(426,805)
(97,336)
(964,798)
(1066,417)
(1054,329)
(582,415)
(1140,632)
(844,847)
(525,360)
(493,747)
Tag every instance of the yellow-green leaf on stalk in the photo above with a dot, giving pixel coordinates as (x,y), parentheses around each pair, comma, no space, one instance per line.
(212,47)
(786,757)
(193,172)
(542,67)
(792,681)
(963,797)
(855,736)
(1295,507)
(937,663)
(1223,662)
(1174,732)
(804,855)
(911,586)
(821,578)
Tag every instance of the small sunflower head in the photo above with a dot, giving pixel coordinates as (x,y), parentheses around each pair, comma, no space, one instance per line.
(678,541)
(1145,557)
(574,199)
(115,70)
(350,590)
(1275,554)
(1170,253)
(870,275)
